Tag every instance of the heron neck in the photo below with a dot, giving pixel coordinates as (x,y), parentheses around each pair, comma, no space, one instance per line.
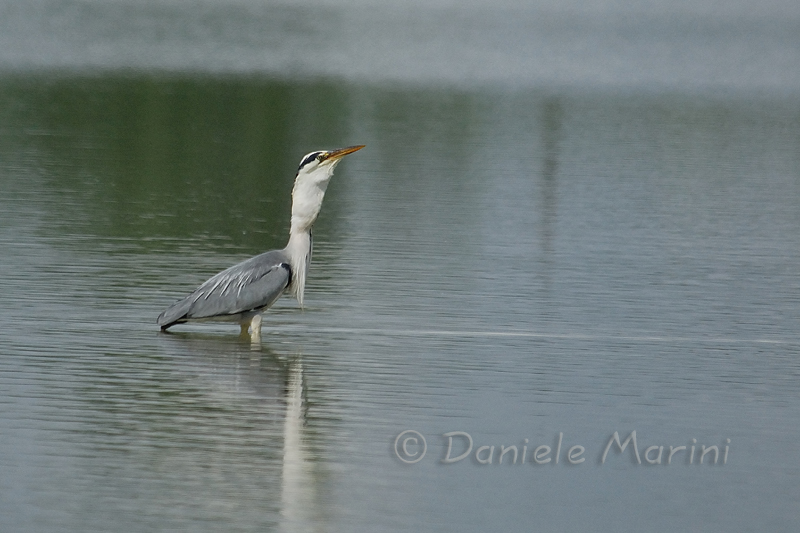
(307,196)
(299,251)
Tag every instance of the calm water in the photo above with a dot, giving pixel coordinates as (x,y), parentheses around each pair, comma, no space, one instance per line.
(529,259)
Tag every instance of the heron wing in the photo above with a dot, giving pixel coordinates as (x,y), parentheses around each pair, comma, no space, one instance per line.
(251,285)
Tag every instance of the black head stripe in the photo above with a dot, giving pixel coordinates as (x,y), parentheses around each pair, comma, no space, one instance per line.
(308,159)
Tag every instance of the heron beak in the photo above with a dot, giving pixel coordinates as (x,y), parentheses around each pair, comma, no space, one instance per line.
(336,154)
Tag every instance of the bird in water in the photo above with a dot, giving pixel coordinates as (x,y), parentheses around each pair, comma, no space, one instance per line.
(244,291)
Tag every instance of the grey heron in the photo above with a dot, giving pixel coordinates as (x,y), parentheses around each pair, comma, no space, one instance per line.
(244,291)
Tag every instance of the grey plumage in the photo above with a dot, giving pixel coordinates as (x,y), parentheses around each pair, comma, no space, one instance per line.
(241,290)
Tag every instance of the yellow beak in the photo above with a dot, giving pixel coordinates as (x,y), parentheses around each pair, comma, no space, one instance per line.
(341,152)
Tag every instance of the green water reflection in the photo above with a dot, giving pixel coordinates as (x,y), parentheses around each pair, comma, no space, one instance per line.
(145,157)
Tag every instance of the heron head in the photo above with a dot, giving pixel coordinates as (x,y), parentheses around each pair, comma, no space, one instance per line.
(312,179)
(320,164)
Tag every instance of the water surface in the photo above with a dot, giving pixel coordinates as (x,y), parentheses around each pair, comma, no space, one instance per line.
(523,261)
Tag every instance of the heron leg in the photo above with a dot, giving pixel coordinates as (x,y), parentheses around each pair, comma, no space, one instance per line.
(255,328)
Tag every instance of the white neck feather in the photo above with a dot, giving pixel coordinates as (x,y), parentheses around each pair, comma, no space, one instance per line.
(299,252)
(309,190)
